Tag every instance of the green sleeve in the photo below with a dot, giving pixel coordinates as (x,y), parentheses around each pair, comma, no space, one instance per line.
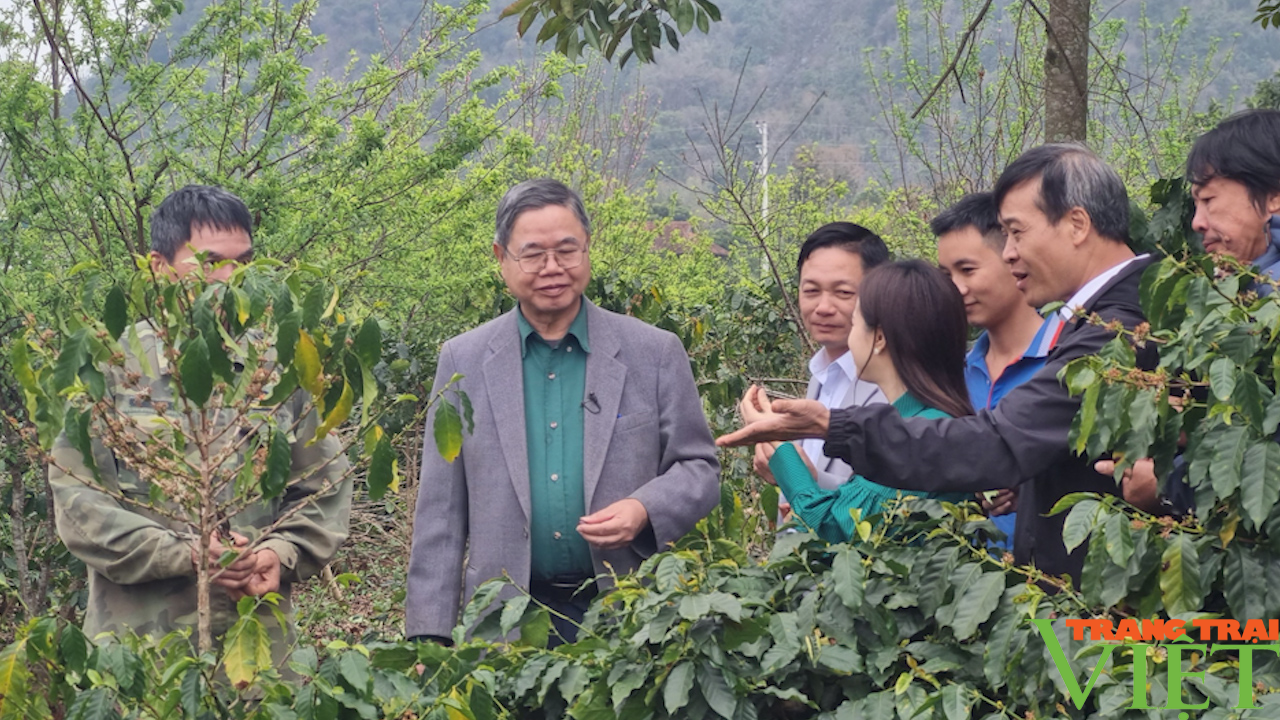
(824,512)
(320,488)
(121,544)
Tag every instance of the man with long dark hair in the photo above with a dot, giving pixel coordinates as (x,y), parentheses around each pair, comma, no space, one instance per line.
(1066,219)
(1234,170)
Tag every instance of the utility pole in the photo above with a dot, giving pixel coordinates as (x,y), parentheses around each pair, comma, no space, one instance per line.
(763,127)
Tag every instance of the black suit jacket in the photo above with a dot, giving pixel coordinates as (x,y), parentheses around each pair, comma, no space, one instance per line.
(1021,443)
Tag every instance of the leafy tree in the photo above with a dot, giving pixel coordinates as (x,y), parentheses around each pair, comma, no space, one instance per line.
(1142,120)
(343,168)
(383,168)
(218,443)
(607,25)
(1214,385)
(910,618)
(1268,13)
(1266,94)
(603,26)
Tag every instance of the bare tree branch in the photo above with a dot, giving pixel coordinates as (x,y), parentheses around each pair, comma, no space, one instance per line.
(955,60)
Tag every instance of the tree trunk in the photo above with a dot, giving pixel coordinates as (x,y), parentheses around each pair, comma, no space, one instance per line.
(204,610)
(17,524)
(204,613)
(1066,72)
(48,534)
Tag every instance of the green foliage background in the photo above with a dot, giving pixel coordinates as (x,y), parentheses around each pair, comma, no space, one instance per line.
(385,173)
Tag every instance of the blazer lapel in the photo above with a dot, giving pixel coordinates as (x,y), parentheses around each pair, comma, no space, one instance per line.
(606,376)
(504,384)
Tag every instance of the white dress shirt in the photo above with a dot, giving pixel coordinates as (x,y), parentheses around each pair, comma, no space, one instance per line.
(1091,288)
(835,377)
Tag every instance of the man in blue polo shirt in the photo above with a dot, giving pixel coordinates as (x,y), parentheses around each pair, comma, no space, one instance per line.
(1015,340)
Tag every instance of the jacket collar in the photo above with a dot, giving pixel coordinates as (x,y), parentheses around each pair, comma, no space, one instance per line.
(606,377)
(1270,258)
(577,329)
(1137,266)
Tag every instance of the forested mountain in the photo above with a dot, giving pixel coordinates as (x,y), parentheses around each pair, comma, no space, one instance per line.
(788,54)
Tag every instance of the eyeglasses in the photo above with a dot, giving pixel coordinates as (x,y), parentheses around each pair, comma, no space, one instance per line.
(567,258)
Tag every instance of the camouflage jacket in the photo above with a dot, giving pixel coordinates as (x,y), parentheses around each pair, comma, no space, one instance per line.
(141,575)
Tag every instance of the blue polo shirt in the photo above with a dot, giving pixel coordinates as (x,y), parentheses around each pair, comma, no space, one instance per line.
(984,394)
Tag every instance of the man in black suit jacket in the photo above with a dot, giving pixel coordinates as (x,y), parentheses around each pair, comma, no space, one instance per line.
(1066,219)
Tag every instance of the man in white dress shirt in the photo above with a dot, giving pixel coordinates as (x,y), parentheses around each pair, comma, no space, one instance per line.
(831,264)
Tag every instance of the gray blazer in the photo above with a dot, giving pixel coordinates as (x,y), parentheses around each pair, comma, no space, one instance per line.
(650,441)
(834,472)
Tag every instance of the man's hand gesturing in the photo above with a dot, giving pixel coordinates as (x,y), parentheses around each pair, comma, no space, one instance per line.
(768,421)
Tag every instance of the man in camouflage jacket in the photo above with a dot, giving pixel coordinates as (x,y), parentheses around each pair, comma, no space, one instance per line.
(142,565)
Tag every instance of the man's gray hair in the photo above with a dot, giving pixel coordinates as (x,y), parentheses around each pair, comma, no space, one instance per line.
(1071,175)
(533,195)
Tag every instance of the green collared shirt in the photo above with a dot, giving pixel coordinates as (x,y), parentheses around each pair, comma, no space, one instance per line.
(554,381)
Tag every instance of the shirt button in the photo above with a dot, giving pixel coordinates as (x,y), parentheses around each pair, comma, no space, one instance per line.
(555,477)
(554,424)
(551,376)
(556,535)
(569,349)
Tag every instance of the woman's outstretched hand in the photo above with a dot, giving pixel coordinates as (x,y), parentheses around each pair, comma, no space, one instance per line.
(768,421)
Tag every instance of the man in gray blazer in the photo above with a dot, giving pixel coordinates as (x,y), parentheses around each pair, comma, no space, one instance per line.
(831,264)
(590,450)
